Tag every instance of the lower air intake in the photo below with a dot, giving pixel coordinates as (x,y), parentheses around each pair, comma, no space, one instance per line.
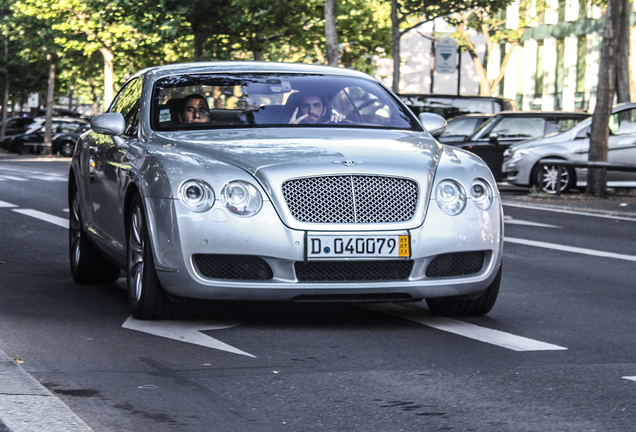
(236,267)
(353,271)
(456,264)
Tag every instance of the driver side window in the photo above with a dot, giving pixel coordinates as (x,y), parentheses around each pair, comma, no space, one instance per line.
(127,103)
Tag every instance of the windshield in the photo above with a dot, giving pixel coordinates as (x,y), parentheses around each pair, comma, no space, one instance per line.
(255,100)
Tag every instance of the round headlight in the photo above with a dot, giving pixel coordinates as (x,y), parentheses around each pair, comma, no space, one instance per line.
(242,198)
(450,197)
(481,194)
(196,195)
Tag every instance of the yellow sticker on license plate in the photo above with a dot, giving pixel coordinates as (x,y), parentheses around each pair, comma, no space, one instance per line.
(325,246)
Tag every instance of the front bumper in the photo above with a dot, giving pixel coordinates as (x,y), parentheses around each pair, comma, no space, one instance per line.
(180,237)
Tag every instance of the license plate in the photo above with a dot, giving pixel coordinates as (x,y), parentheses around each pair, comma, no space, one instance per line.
(357,246)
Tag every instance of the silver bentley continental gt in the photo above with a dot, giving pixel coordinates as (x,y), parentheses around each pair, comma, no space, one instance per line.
(279,181)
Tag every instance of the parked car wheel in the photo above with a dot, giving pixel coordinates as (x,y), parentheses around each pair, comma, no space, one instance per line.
(66,148)
(21,148)
(87,265)
(473,305)
(546,178)
(146,296)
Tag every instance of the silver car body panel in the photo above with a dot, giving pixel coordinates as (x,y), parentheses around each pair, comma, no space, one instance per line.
(108,169)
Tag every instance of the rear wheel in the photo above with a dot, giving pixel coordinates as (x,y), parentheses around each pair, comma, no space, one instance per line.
(66,149)
(472,305)
(550,178)
(87,265)
(146,296)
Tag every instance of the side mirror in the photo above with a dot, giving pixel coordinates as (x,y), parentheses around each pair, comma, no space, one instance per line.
(433,123)
(112,124)
(494,138)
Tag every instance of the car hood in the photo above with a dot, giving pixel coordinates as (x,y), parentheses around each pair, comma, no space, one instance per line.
(299,152)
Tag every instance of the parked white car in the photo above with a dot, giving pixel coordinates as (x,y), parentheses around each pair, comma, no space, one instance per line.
(521,161)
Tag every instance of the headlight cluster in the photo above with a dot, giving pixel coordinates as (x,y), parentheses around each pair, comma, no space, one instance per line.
(239,197)
(451,197)
(515,155)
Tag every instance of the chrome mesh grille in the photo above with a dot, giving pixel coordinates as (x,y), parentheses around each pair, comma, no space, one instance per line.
(351,199)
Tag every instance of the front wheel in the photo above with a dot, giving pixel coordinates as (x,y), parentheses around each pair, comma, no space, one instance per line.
(146,296)
(473,305)
(550,178)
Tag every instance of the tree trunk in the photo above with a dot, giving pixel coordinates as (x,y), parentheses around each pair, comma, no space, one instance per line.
(604,96)
(622,58)
(50,100)
(331,33)
(5,99)
(395,45)
(109,72)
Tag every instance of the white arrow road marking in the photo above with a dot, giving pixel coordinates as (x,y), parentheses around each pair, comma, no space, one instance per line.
(482,334)
(186,331)
(509,220)
(570,249)
(55,220)
(631,378)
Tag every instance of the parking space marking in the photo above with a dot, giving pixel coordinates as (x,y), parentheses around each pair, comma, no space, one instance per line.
(50,178)
(509,220)
(574,212)
(4,204)
(572,249)
(55,220)
(471,331)
(631,378)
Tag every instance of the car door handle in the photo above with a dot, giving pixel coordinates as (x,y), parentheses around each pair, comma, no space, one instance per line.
(92,149)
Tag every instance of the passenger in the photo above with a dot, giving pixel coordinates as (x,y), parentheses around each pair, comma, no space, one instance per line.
(314,109)
(195,109)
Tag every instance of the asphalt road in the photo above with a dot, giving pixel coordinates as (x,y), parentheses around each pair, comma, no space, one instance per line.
(557,352)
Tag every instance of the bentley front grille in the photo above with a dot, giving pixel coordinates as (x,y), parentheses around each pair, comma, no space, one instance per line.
(456,264)
(351,199)
(237,267)
(353,271)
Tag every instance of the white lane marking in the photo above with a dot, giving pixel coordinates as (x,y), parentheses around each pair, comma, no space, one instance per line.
(10,177)
(482,334)
(631,378)
(572,249)
(6,204)
(511,221)
(50,178)
(186,331)
(574,212)
(55,220)
(28,406)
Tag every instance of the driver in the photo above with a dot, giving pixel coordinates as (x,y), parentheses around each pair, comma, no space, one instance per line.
(195,109)
(314,109)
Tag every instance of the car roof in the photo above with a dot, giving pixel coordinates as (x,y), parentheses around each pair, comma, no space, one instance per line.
(542,114)
(246,67)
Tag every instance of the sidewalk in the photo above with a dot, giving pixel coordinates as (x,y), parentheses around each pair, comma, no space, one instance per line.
(619,202)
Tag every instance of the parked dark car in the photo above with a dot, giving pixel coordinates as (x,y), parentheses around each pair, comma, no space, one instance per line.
(64,143)
(32,141)
(506,128)
(451,106)
(460,128)
(15,126)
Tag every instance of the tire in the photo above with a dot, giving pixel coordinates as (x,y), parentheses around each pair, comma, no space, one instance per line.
(66,149)
(545,178)
(467,305)
(147,298)
(87,265)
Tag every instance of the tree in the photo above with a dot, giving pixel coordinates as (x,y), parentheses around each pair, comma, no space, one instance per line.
(331,32)
(488,21)
(605,90)
(403,12)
